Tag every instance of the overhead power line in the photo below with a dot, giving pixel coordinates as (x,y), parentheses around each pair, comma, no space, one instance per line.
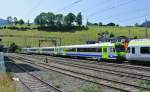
(77,1)
(34,8)
(133,18)
(102,2)
(70,5)
(124,13)
(110,8)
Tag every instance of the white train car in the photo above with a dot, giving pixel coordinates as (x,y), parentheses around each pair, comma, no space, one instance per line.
(106,51)
(24,50)
(47,50)
(99,50)
(34,50)
(138,50)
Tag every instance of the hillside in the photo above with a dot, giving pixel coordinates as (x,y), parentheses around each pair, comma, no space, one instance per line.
(3,22)
(69,38)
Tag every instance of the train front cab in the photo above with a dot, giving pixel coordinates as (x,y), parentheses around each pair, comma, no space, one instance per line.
(113,52)
(108,53)
(120,52)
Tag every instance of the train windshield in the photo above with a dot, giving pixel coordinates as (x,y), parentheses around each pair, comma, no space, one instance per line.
(120,48)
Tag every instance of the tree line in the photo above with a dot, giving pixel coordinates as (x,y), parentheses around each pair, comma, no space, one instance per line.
(13,20)
(101,24)
(49,21)
(59,21)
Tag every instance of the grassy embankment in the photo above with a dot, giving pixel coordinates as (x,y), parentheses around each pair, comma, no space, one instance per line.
(69,38)
(6,84)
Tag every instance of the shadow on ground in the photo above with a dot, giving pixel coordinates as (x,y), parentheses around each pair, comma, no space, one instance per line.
(10,67)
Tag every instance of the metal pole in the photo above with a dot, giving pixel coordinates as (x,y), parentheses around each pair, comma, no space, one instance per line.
(39,43)
(146,34)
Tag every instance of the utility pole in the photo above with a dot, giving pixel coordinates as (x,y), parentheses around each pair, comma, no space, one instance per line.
(129,32)
(146,34)
(87,22)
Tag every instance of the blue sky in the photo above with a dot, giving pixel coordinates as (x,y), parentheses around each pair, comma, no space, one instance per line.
(124,12)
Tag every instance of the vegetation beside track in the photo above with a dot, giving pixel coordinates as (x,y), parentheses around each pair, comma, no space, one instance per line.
(70,38)
(144,83)
(6,83)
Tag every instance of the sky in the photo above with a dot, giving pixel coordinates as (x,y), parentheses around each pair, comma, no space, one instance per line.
(122,12)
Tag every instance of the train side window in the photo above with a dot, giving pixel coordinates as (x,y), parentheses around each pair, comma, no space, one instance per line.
(145,50)
(71,50)
(104,49)
(111,49)
(133,50)
(87,49)
(99,50)
(33,49)
(47,49)
(114,50)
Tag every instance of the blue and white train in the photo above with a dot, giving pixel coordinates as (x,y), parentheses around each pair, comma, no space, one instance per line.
(100,51)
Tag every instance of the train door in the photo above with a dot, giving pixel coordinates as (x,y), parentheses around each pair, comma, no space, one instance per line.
(64,51)
(105,53)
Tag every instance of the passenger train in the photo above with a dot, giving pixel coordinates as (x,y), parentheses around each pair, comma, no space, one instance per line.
(99,51)
(137,50)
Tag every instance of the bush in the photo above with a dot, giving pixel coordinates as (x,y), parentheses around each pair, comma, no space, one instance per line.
(112,35)
(14,48)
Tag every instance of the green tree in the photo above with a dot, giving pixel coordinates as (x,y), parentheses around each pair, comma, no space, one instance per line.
(41,19)
(100,24)
(13,47)
(28,22)
(21,22)
(111,24)
(136,25)
(66,21)
(15,20)
(69,19)
(79,19)
(50,18)
(59,20)
(9,20)
(37,20)
(111,35)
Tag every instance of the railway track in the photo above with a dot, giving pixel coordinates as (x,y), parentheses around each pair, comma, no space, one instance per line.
(107,64)
(32,82)
(122,86)
(94,62)
(101,69)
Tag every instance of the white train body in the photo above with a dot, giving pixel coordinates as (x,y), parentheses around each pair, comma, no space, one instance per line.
(139,50)
(47,50)
(99,51)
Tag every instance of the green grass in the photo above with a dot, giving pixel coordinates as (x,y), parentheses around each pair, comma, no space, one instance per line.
(87,88)
(70,38)
(91,89)
(6,84)
(144,83)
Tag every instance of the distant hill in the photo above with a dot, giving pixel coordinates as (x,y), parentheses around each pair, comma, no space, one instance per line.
(3,22)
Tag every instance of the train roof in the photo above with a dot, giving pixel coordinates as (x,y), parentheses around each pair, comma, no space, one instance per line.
(77,46)
(89,45)
(139,42)
(31,48)
(46,47)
